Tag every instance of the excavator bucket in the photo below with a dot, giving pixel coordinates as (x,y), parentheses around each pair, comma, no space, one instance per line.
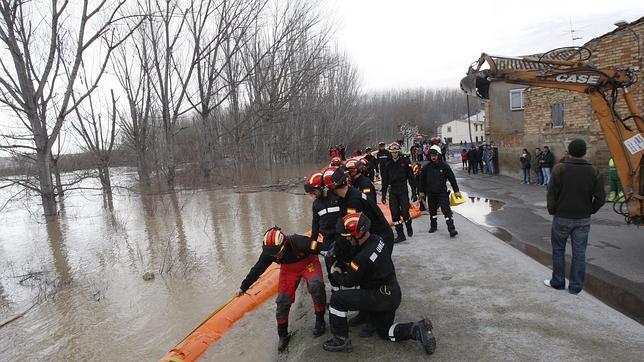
(477,85)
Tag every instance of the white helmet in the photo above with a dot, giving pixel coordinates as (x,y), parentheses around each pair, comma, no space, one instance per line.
(435,148)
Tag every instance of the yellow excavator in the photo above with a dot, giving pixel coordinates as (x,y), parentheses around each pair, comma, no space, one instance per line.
(569,68)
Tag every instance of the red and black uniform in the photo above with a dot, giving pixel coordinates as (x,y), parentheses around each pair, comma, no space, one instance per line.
(396,174)
(326,212)
(355,201)
(373,270)
(364,184)
(299,261)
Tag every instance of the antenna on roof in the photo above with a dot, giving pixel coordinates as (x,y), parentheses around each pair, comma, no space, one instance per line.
(572,34)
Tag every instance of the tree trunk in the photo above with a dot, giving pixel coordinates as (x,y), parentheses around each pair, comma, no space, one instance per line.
(47,194)
(142,167)
(59,185)
(104,175)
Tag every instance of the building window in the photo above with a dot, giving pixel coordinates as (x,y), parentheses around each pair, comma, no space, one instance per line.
(449,129)
(516,100)
(477,138)
(557,114)
(448,139)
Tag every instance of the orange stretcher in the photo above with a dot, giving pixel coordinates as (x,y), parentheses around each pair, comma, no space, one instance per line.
(224,317)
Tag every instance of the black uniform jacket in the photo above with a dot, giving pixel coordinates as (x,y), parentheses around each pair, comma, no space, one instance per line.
(396,174)
(297,248)
(362,183)
(371,163)
(434,177)
(326,212)
(356,201)
(383,157)
(370,268)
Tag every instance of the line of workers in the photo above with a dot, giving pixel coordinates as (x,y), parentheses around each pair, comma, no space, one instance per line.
(352,234)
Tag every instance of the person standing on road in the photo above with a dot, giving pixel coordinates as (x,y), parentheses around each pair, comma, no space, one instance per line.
(546,161)
(616,192)
(464,158)
(488,157)
(525,160)
(537,165)
(472,163)
(575,192)
(479,158)
(297,257)
(396,174)
(433,182)
(372,269)
(383,156)
(371,164)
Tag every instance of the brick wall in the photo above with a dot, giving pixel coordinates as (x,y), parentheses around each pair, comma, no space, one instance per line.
(616,49)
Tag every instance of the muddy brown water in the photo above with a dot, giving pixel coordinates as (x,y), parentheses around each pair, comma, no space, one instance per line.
(80,277)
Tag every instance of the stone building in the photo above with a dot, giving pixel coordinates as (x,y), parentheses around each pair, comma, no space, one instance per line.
(529,117)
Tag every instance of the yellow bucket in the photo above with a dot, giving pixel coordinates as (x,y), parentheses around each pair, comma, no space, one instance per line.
(455,200)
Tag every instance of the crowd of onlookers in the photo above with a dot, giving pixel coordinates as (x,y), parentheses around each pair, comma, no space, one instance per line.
(478,159)
(541,164)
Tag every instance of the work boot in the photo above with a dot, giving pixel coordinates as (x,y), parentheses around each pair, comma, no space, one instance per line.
(359,319)
(410,231)
(368,330)
(450,227)
(285,337)
(453,233)
(400,234)
(421,331)
(433,224)
(320,325)
(337,344)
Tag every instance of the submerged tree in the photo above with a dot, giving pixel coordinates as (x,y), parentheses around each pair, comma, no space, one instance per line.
(43,47)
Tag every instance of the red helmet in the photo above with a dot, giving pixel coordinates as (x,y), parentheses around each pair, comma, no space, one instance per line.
(336,161)
(274,240)
(354,224)
(352,164)
(334,177)
(313,182)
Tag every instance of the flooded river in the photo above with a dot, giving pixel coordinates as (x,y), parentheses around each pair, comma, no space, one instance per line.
(80,277)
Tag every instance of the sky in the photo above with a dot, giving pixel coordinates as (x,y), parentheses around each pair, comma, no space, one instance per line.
(423,43)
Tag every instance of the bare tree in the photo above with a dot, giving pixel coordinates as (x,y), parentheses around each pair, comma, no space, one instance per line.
(33,86)
(97,130)
(132,68)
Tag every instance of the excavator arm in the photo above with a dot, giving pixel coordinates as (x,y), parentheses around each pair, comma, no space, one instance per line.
(568,69)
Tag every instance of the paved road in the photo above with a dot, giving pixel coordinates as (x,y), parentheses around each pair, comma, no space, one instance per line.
(486,300)
(615,271)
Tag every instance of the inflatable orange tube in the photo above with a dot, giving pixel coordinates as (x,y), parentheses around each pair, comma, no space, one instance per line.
(220,320)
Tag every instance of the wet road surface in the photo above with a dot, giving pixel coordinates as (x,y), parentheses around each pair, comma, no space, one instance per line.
(516,214)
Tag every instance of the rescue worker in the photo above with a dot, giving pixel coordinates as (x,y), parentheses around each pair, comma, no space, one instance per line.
(372,269)
(396,173)
(326,212)
(297,259)
(433,183)
(371,164)
(383,156)
(359,181)
(352,201)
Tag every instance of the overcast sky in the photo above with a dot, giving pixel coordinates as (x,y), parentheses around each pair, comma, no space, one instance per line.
(422,43)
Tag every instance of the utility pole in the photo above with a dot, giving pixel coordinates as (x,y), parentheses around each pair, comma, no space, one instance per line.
(469,124)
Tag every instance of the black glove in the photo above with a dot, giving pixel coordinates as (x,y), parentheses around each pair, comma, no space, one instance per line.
(414,197)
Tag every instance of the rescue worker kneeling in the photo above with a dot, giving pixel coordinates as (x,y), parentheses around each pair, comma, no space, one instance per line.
(297,259)
(373,270)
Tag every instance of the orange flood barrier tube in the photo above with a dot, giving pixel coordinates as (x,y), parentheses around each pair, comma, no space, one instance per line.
(219,321)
